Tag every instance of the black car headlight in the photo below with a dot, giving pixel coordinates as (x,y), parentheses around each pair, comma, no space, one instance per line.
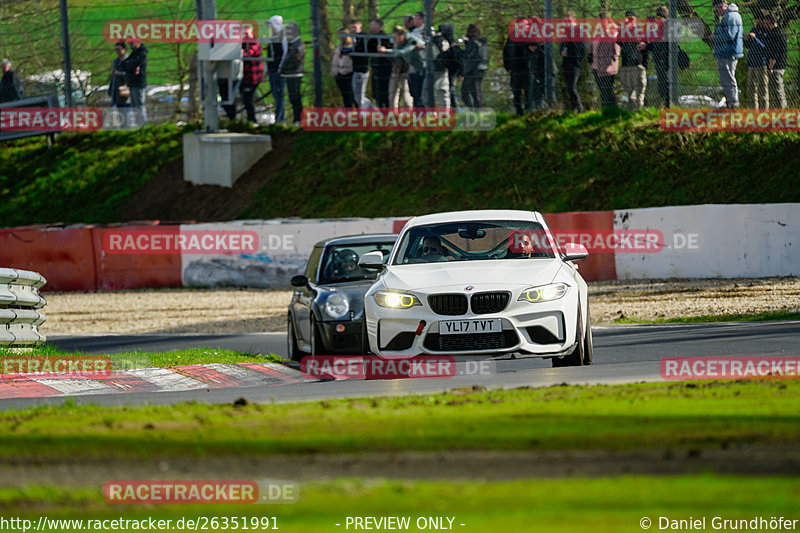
(544,293)
(337,306)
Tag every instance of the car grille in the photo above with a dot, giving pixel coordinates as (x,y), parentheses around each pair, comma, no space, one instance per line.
(489,302)
(448,304)
(471,341)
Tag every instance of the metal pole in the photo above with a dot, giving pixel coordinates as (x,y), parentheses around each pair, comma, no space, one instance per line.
(673,36)
(549,78)
(315,46)
(207,10)
(65,49)
(428,11)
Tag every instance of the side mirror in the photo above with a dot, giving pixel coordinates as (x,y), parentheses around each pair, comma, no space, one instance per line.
(371,260)
(575,252)
(299,281)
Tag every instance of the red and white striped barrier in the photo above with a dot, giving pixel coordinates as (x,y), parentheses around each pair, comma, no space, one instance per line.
(701,241)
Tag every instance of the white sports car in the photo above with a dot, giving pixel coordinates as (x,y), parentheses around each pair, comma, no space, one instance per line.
(479,282)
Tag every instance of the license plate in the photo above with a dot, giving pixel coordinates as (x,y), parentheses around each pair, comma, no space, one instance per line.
(474,325)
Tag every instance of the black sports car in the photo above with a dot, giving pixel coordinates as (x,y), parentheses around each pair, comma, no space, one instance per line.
(327,308)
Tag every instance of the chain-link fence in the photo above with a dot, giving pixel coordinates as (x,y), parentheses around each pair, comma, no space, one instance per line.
(30,36)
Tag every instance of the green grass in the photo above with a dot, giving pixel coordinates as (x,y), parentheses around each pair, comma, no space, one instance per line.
(751,317)
(560,505)
(626,417)
(129,360)
(550,163)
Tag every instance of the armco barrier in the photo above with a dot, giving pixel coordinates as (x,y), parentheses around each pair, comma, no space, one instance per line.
(19,305)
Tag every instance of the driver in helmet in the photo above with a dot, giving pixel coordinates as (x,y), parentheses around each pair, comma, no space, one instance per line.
(346,264)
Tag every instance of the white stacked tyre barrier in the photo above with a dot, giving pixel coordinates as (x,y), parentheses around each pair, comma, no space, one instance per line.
(20,303)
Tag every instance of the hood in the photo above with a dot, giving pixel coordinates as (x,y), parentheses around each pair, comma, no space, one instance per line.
(292,31)
(483,275)
(276,23)
(448,31)
(733,8)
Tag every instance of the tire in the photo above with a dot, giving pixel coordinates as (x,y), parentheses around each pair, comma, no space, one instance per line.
(364,338)
(576,357)
(294,353)
(317,345)
(588,345)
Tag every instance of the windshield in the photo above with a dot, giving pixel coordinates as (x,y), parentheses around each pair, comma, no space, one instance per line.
(474,241)
(340,263)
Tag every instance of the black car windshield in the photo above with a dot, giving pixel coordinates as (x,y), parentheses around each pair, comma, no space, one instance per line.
(340,263)
(474,241)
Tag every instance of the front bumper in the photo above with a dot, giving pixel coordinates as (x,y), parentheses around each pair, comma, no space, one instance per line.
(546,329)
(347,342)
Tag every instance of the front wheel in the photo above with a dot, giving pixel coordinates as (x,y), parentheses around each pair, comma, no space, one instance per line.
(317,346)
(294,353)
(588,346)
(576,358)
(364,338)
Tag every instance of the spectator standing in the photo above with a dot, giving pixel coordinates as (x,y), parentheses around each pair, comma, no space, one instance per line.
(441,78)
(605,62)
(633,66)
(292,69)
(660,51)
(10,84)
(360,66)
(572,54)
(474,64)
(342,69)
(277,47)
(398,82)
(757,73)
(253,72)
(728,48)
(776,63)
(135,70)
(381,66)
(451,59)
(515,61)
(115,81)
(536,60)
(416,73)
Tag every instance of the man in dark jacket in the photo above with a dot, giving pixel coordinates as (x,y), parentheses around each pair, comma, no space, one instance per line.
(572,54)
(116,81)
(276,48)
(135,70)
(776,63)
(515,61)
(292,68)
(757,74)
(633,66)
(381,66)
(660,51)
(360,66)
(474,64)
(451,59)
(10,84)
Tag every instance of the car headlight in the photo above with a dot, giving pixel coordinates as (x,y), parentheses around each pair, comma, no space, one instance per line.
(544,293)
(337,306)
(395,300)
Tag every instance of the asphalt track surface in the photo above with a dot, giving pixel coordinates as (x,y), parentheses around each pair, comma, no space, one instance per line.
(622,354)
